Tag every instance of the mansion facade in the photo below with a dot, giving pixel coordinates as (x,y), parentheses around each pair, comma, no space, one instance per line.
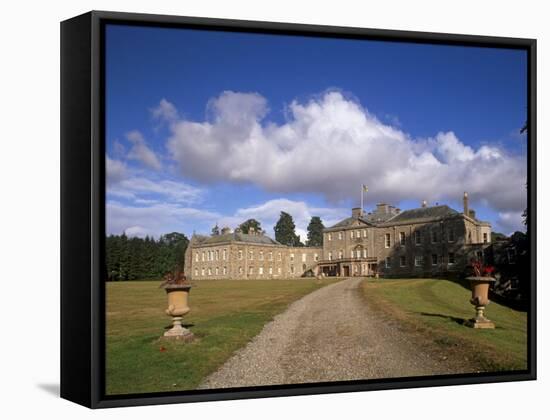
(425,241)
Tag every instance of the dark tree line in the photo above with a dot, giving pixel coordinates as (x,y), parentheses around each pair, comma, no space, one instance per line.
(144,258)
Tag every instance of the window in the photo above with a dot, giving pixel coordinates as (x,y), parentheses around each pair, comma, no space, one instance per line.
(434,236)
(202,271)
(261,255)
(279,257)
(270,256)
(351,234)
(217,254)
(358,234)
(434,259)
(358,253)
(330,256)
(304,267)
(292,269)
(224,254)
(278,270)
(261,271)
(224,271)
(303,257)
(291,257)
(270,270)
(340,254)
(364,252)
(388,262)
(417,237)
(469,236)
(451,234)
(485,238)
(387,241)
(364,233)
(197,257)
(250,255)
(203,255)
(209,271)
(240,270)
(418,261)
(402,238)
(329,236)
(356,269)
(451,258)
(316,257)
(196,271)
(339,235)
(402,261)
(240,254)
(217,271)
(250,270)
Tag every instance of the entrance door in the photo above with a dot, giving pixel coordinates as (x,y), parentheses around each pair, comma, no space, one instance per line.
(346,271)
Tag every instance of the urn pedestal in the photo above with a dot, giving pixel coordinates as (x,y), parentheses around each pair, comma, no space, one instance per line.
(178,297)
(480,299)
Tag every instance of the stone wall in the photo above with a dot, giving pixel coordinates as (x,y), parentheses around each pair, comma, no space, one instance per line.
(240,260)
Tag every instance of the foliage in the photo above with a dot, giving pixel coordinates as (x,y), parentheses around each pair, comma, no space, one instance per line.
(138,259)
(497,236)
(285,231)
(215,230)
(315,232)
(250,223)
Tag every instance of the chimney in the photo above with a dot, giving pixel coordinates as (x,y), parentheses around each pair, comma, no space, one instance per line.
(226,230)
(466,209)
(356,212)
(381,208)
(424,204)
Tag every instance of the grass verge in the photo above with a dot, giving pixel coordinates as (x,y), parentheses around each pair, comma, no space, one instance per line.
(437,309)
(225,315)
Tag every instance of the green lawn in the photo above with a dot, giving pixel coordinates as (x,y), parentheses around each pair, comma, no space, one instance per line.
(437,309)
(225,315)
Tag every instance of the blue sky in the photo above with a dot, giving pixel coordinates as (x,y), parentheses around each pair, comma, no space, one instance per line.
(209,127)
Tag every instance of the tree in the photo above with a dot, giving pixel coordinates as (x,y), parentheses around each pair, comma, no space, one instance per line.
(285,231)
(250,223)
(142,259)
(315,232)
(215,230)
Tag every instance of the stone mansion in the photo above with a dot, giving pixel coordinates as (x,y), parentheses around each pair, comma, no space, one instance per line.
(425,241)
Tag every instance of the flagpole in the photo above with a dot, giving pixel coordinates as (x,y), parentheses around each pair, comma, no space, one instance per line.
(362,190)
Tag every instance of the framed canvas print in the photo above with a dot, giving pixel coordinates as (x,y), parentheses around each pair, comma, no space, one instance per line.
(256,209)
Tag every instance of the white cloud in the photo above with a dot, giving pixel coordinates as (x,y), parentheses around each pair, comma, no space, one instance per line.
(172,191)
(153,220)
(331,145)
(116,170)
(141,152)
(509,222)
(268,214)
(165,111)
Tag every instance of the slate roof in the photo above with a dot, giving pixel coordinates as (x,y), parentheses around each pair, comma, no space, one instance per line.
(235,237)
(375,218)
(433,212)
(346,222)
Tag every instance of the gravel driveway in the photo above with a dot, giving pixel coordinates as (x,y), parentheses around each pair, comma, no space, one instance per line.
(328,335)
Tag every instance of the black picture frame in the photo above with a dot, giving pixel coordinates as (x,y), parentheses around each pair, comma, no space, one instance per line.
(83,207)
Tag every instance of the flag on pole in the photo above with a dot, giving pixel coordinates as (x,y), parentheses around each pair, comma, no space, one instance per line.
(365,188)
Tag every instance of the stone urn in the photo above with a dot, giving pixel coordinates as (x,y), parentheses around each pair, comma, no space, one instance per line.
(480,298)
(178,298)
